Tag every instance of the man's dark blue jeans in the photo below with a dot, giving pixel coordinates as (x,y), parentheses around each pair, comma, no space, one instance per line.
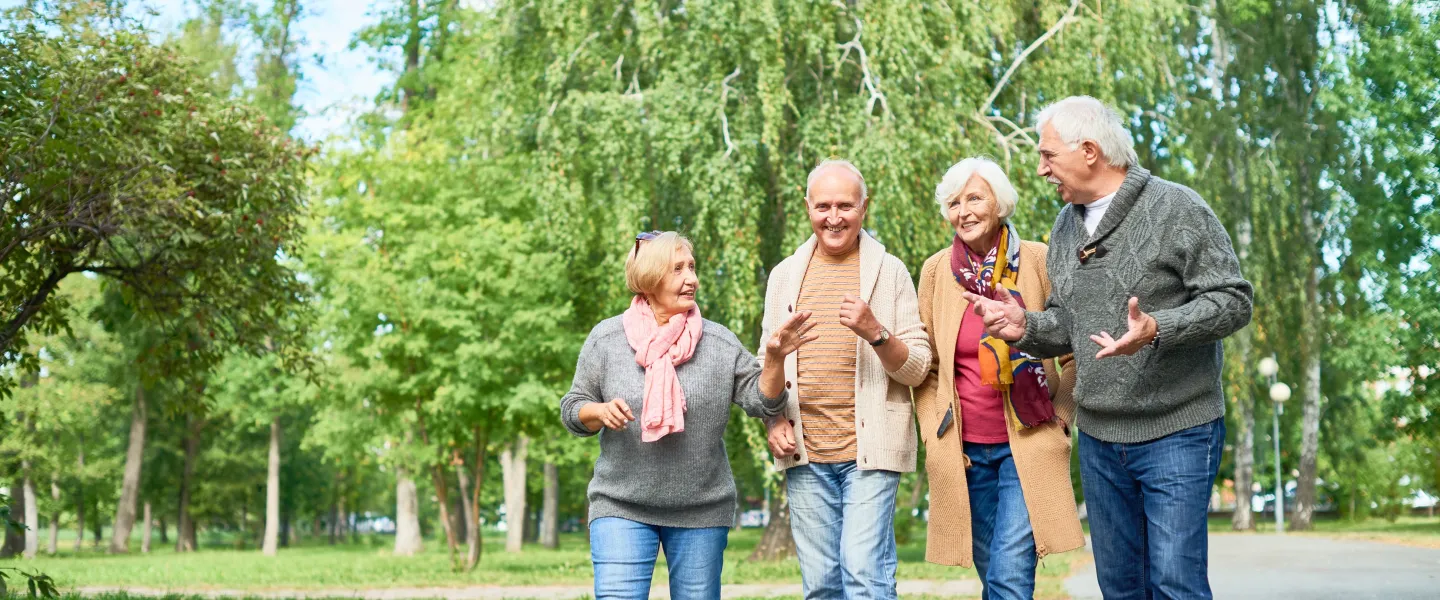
(1147,506)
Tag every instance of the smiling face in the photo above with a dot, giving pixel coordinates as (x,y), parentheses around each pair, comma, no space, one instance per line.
(1069,170)
(836,209)
(676,293)
(975,214)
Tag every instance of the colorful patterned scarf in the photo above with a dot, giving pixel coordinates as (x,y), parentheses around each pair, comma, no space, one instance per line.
(1017,375)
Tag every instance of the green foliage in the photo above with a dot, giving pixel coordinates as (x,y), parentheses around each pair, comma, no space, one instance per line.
(38,584)
(120,161)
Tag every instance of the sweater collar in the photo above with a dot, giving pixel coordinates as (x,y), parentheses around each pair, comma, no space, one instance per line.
(871,253)
(1125,199)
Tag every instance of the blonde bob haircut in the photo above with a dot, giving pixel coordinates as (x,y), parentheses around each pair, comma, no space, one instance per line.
(650,260)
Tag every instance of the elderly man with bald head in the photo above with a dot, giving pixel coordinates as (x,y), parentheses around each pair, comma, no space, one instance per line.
(848,430)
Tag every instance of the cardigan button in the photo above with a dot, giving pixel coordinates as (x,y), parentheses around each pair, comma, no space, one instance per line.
(792,422)
(790,307)
(787,385)
(797,457)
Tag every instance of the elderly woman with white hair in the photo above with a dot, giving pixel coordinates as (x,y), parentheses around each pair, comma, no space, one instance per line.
(995,421)
(657,382)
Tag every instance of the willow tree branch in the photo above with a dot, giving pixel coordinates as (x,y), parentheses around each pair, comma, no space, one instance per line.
(871,82)
(1064,20)
(724,120)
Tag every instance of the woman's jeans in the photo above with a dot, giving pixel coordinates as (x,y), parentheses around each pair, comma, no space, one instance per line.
(624,552)
(1147,505)
(843,520)
(1003,541)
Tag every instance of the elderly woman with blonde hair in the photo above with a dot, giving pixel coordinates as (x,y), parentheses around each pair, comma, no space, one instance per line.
(995,421)
(664,482)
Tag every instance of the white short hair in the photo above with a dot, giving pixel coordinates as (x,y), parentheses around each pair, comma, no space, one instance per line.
(1080,118)
(959,175)
(840,163)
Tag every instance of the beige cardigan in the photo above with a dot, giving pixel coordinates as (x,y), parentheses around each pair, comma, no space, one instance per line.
(884,418)
(1042,453)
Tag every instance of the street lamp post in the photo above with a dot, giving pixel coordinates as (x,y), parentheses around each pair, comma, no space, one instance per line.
(1279,393)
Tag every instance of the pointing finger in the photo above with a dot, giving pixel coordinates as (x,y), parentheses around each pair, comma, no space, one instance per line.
(1134,308)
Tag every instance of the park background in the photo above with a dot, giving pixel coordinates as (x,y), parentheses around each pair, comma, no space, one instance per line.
(245,315)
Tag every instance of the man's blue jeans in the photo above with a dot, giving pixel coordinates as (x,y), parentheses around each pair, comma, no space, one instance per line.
(624,552)
(1001,537)
(843,520)
(1147,507)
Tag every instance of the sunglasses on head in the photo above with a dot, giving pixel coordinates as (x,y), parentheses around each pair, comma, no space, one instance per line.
(643,236)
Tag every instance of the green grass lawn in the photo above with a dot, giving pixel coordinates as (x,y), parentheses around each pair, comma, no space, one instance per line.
(368,563)
(1409,530)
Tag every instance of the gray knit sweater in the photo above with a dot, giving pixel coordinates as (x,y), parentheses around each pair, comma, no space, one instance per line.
(1163,245)
(682,479)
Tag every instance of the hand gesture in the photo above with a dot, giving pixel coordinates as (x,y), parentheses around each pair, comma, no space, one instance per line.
(855,314)
(1004,318)
(613,415)
(792,334)
(782,438)
(1143,330)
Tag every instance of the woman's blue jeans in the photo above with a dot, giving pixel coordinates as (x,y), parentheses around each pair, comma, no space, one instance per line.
(1001,537)
(624,553)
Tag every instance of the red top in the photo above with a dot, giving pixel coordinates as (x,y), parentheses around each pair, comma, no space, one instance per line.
(981,406)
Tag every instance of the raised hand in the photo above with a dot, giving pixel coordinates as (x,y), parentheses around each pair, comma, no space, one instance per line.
(1143,330)
(792,334)
(855,314)
(1004,318)
(781,438)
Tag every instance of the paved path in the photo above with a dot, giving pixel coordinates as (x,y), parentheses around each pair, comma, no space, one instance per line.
(1245,567)
(906,588)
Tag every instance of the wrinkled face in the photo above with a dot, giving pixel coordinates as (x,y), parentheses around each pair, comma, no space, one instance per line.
(676,293)
(836,210)
(1065,168)
(975,214)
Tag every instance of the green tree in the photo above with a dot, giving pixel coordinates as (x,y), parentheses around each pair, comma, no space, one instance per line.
(123,164)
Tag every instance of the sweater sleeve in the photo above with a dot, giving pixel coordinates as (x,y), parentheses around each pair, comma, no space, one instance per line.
(1047,332)
(909,329)
(584,389)
(1220,299)
(747,392)
(925,393)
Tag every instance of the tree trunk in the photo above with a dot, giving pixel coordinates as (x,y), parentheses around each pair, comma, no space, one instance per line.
(1302,519)
(80,496)
(1243,519)
(550,508)
(130,486)
(244,522)
(185,537)
(475,543)
(287,533)
(272,493)
(145,528)
(442,496)
(344,524)
(54,517)
(776,543)
(164,530)
(14,538)
(512,472)
(408,541)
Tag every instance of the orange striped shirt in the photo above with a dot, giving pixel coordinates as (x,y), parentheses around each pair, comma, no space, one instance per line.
(826,366)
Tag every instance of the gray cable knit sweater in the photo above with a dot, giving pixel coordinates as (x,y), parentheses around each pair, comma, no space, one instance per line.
(1160,243)
(682,479)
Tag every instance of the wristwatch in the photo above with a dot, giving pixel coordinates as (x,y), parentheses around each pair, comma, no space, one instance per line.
(884,337)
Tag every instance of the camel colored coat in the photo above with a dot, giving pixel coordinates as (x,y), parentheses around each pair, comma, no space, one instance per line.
(1042,453)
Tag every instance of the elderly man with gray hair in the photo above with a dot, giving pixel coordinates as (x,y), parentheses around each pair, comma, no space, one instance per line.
(848,431)
(1144,259)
